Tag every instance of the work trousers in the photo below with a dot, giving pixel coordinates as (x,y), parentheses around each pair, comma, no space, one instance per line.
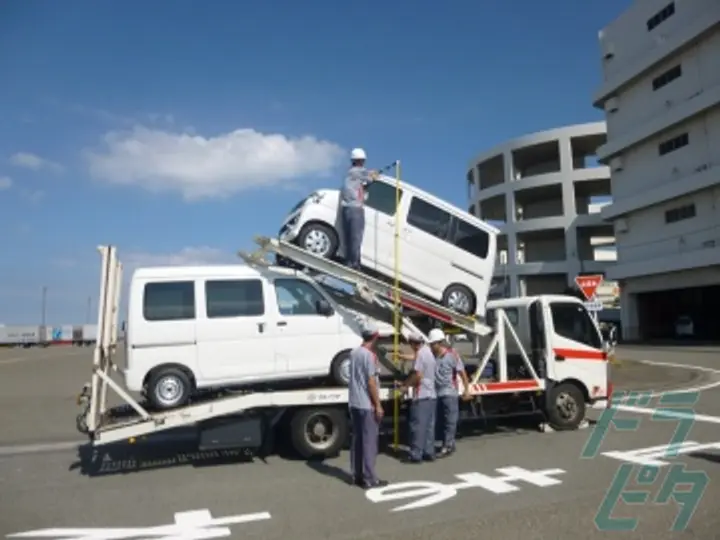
(364,446)
(422,428)
(448,413)
(354,230)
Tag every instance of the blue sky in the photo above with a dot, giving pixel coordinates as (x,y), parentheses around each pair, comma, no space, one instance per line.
(178,130)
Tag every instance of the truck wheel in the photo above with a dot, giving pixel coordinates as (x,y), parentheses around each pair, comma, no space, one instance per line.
(340,369)
(318,433)
(169,388)
(565,407)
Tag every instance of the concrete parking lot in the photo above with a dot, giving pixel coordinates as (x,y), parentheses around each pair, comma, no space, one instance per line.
(48,483)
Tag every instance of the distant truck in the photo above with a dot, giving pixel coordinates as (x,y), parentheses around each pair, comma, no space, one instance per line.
(43,336)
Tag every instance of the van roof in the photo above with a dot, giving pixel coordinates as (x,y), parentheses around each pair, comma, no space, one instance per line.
(441,203)
(214,271)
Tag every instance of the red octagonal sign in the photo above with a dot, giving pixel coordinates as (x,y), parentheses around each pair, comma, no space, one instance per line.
(588,285)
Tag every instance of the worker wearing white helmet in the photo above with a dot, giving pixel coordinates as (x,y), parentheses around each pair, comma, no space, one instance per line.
(449,367)
(352,201)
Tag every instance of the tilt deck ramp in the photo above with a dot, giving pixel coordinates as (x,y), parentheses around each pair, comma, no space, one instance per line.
(371,289)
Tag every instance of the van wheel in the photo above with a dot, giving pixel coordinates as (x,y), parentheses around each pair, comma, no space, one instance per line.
(459,298)
(319,433)
(340,369)
(169,388)
(318,239)
(565,407)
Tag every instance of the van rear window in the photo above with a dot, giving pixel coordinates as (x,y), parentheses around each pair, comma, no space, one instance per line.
(169,301)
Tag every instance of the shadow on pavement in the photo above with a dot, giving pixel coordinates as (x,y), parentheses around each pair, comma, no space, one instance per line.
(706,456)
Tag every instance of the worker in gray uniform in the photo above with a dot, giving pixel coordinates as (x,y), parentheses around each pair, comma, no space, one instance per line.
(366,410)
(352,202)
(449,366)
(424,400)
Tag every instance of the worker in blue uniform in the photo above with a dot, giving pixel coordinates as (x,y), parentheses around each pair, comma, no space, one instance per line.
(352,203)
(366,410)
(449,367)
(424,403)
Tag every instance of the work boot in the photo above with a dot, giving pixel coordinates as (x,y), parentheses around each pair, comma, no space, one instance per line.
(376,484)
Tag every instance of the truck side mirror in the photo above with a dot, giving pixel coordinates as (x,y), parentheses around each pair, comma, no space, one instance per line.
(324,308)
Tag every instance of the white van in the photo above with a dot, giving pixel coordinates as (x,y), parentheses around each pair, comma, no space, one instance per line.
(191,328)
(445,253)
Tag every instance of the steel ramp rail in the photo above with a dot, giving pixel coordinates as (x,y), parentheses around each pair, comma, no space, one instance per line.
(367,286)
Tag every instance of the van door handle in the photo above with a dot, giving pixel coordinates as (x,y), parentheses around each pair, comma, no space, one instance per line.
(282,323)
(559,358)
(261,327)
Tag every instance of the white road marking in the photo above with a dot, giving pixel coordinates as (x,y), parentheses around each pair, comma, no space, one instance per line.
(700,388)
(669,414)
(649,456)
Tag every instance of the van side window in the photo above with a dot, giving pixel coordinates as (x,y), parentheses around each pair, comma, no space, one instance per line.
(429,218)
(572,321)
(169,301)
(296,297)
(471,239)
(234,298)
(381,197)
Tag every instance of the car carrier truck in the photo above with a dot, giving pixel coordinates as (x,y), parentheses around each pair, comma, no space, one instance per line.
(545,356)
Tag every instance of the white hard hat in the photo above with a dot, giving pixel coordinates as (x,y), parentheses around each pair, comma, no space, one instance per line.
(436,335)
(358,153)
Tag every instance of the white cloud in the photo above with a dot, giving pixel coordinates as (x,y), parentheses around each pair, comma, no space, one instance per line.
(200,167)
(5,182)
(34,162)
(188,256)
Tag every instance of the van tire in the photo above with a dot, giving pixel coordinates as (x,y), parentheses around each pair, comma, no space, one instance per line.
(565,407)
(340,369)
(169,388)
(319,433)
(319,231)
(455,290)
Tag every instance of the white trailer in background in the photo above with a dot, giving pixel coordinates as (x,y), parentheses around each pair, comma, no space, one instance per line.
(538,367)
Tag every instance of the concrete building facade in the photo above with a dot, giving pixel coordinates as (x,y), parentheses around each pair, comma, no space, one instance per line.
(541,191)
(661,96)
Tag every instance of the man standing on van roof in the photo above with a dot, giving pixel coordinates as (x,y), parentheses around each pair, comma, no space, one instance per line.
(352,201)
(449,366)
(424,402)
(366,410)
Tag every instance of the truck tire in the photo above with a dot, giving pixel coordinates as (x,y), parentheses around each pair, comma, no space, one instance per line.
(565,407)
(169,388)
(319,433)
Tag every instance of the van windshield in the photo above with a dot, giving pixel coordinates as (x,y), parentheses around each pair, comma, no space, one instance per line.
(298,205)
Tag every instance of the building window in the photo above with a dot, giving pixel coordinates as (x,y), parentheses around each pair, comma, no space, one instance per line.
(673,144)
(680,213)
(666,78)
(169,301)
(661,16)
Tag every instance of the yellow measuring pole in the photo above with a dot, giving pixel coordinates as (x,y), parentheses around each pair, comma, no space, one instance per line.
(397,305)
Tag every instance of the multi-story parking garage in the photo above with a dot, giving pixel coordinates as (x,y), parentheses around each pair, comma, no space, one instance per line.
(544,191)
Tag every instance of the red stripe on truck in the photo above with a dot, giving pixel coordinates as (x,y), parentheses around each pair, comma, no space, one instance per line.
(578,354)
